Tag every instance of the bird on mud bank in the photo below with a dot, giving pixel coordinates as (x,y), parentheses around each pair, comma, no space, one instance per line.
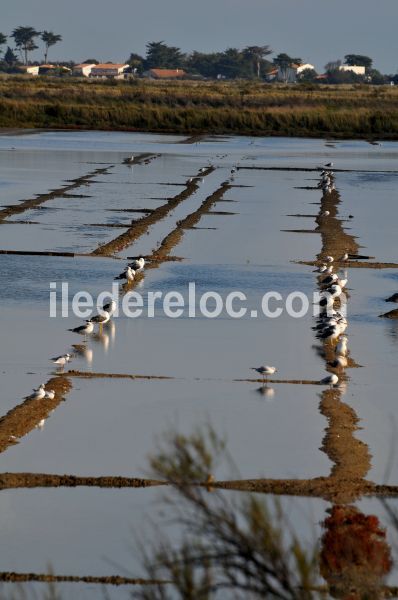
(265,371)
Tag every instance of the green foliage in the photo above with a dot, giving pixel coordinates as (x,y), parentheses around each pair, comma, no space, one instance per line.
(3,39)
(50,39)
(24,38)
(161,56)
(359,60)
(248,108)
(10,58)
(242,545)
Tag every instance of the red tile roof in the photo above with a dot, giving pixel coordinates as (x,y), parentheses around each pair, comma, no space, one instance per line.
(167,73)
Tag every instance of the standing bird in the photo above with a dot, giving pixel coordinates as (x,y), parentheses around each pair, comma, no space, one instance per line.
(341,348)
(61,360)
(50,394)
(101,319)
(345,257)
(110,307)
(329,259)
(329,165)
(127,274)
(330,380)
(138,264)
(265,371)
(83,329)
(39,393)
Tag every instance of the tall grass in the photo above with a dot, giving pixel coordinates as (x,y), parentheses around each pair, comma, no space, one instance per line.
(200,107)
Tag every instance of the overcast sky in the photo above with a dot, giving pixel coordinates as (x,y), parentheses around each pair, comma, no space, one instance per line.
(315,30)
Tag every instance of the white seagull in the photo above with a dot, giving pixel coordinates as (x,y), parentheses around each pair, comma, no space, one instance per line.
(330,380)
(127,274)
(265,370)
(110,307)
(61,360)
(50,394)
(101,319)
(138,264)
(39,393)
(84,329)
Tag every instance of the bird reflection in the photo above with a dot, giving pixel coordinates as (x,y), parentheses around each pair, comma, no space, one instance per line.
(84,352)
(266,392)
(102,339)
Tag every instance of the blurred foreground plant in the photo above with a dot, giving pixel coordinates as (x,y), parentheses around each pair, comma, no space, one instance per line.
(230,547)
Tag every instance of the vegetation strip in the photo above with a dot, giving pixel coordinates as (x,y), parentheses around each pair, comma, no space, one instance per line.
(141,226)
(89,375)
(195,108)
(12,577)
(41,198)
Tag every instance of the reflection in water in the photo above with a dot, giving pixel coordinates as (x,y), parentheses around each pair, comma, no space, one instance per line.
(355,557)
(266,392)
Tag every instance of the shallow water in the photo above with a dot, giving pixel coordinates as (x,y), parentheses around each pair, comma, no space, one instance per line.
(109,426)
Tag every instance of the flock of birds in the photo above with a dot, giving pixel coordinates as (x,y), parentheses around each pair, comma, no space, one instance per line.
(331,324)
(100,319)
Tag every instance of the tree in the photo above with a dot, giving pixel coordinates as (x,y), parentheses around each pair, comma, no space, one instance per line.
(308,75)
(136,61)
(3,39)
(333,65)
(25,40)
(284,62)
(10,58)
(90,61)
(359,60)
(257,55)
(161,56)
(50,39)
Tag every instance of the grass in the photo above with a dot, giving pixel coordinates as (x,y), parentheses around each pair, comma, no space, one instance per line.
(186,107)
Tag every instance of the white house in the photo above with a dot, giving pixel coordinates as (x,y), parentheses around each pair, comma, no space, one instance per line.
(30,69)
(109,70)
(83,70)
(357,69)
(304,67)
(289,74)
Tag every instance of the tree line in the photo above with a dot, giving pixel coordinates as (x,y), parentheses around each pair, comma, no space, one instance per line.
(251,62)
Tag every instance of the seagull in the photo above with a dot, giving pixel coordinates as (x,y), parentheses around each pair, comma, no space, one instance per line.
(128,274)
(138,264)
(345,257)
(50,394)
(341,348)
(110,307)
(101,319)
(320,269)
(84,329)
(329,165)
(339,363)
(265,370)
(329,279)
(202,170)
(326,213)
(39,393)
(330,380)
(329,259)
(233,170)
(61,360)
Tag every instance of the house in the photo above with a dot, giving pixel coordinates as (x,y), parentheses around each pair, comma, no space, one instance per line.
(54,70)
(30,69)
(305,67)
(289,74)
(357,69)
(164,73)
(83,70)
(109,70)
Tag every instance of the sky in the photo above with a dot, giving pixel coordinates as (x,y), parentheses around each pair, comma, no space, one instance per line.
(318,31)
